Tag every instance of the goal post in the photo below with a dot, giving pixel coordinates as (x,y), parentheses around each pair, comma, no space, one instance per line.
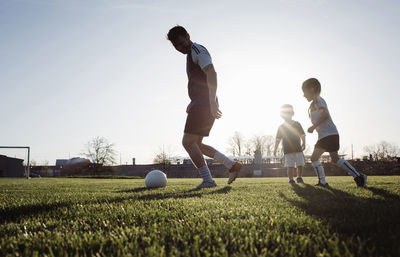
(29,153)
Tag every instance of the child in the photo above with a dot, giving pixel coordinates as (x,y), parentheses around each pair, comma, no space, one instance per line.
(328,136)
(290,132)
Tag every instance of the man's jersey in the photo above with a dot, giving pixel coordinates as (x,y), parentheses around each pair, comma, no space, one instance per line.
(326,128)
(290,133)
(197,59)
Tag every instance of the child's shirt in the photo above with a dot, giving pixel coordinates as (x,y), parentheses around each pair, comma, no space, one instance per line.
(326,128)
(290,133)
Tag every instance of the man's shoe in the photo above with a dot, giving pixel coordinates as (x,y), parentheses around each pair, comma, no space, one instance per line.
(299,180)
(207,184)
(361,180)
(291,181)
(234,172)
(322,185)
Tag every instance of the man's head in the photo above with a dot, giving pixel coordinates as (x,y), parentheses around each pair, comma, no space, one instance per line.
(180,39)
(287,112)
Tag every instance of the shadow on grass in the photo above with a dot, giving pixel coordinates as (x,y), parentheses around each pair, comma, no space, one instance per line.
(374,220)
(12,214)
(178,195)
(30,210)
(135,190)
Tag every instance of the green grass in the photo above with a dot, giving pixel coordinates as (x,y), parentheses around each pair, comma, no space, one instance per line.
(105,176)
(253,217)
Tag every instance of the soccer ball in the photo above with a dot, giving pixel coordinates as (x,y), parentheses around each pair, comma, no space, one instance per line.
(155,178)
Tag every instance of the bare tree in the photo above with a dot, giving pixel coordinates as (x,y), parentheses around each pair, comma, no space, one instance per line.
(100,151)
(248,148)
(236,144)
(372,150)
(162,157)
(264,144)
(269,144)
(383,150)
(258,143)
(392,150)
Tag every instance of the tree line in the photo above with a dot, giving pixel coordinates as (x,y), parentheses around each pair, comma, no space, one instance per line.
(101,152)
(239,145)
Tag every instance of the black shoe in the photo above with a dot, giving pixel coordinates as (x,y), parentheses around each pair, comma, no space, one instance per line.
(291,181)
(300,180)
(361,180)
(322,185)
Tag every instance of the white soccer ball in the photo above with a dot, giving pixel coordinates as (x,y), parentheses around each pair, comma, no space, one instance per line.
(155,178)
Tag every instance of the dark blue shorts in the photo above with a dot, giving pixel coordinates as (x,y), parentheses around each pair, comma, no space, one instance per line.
(199,120)
(329,143)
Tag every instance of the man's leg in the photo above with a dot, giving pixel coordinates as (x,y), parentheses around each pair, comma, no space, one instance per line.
(211,152)
(207,150)
(232,166)
(190,143)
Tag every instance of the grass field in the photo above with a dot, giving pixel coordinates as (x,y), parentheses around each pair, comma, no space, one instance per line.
(253,217)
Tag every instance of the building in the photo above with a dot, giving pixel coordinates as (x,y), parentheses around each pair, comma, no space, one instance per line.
(65,165)
(11,167)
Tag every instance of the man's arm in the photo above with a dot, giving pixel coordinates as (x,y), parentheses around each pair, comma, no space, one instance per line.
(212,87)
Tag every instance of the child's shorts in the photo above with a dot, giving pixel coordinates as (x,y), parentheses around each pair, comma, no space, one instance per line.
(294,159)
(329,143)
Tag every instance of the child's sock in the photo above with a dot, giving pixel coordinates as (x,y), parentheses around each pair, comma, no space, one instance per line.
(344,165)
(225,160)
(205,173)
(319,170)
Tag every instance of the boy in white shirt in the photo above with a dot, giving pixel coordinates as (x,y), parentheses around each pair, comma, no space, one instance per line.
(328,135)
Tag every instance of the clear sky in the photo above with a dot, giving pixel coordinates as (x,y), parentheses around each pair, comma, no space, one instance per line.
(74,70)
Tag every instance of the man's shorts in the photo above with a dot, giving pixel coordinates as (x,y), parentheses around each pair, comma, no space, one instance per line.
(329,143)
(294,159)
(199,120)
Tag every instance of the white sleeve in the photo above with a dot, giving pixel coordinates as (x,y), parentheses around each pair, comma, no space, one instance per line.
(322,104)
(201,56)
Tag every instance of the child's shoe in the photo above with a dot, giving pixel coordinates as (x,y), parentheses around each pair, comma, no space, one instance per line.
(322,185)
(361,180)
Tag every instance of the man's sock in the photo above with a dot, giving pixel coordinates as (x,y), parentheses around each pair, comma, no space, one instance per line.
(225,160)
(344,165)
(205,173)
(319,170)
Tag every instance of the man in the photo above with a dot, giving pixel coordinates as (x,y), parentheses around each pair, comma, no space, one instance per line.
(203,108)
